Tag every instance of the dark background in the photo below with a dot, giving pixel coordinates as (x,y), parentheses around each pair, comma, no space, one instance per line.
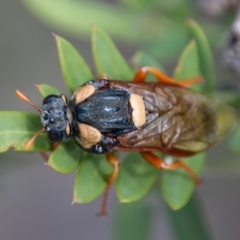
(35,201)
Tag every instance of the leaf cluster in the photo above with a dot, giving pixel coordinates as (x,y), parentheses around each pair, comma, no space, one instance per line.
(136,176)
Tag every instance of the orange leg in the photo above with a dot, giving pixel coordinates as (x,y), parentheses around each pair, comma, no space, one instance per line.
(141,75)
(111,158)
(102,76)
(160,164)
(45,156)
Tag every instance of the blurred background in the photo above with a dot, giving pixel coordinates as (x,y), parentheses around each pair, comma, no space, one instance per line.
(35,201)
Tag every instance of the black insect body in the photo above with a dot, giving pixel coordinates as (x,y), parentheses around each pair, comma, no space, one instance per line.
(101,118)
(109,112)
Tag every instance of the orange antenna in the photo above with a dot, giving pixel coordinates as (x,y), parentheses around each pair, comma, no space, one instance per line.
(31,141)
(25,99)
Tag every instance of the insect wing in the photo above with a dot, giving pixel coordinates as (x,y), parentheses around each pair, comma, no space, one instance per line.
(179,121)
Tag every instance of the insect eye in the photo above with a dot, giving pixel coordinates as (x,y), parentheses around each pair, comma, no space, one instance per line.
(55,136)
(58,136)
(50,98)
(45,117)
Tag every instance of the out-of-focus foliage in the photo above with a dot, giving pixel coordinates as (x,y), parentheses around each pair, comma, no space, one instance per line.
(136,176)
(155,26)
(159,29)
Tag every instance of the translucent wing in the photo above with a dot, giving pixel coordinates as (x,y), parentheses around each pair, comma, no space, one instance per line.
(179,121)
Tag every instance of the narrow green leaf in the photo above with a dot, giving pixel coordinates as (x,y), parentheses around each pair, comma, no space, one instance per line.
(17,128)
(137,5)
(46,90)
(74,69)
(75,17)
(177,186)
(90,180)
(141,59)
(108,59)
(65,158)
(169,42)
(205,56)
(133,221)
(190,222)
(135,178)
(231,98)
(188,65)
(234,141)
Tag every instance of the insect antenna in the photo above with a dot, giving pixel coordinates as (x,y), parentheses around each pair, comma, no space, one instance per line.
(31,141)
(25,99)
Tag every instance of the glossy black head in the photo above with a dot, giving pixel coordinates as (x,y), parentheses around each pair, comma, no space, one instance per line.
(54,118)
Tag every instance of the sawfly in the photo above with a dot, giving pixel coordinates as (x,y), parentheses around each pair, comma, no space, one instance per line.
(104,116)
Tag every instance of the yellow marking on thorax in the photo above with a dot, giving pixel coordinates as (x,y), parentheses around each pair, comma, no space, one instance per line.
(138,110)
(88,135)
(83,92)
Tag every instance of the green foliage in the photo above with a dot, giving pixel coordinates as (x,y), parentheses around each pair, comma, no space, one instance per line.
(46,89)
(176,187)
(136,176)
(17,128)
(107,58)
(65,157)
(205,56)
(188,65)
(159,29)
(134,221)
(76,17)
(159,26)
(189,222)
(234,141)
(74,69)
(142,58)
(90,179)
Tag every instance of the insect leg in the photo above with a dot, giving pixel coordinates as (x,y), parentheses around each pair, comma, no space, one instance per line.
(160,164)
(45,156)
(111,158)
(142,72)
(102,76)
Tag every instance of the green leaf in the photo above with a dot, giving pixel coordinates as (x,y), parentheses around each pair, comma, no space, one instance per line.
(205,56)
(65,158)
(190,222)
(107,58)
(75,17)
(178,10)
(90,179)
(17,128)
(169,41)
(137,5)
(231,98)
(135,178)
(188,65)
(142,59)
(46,90)
(234,141)
(133,221)
(177,186)
(74,69)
